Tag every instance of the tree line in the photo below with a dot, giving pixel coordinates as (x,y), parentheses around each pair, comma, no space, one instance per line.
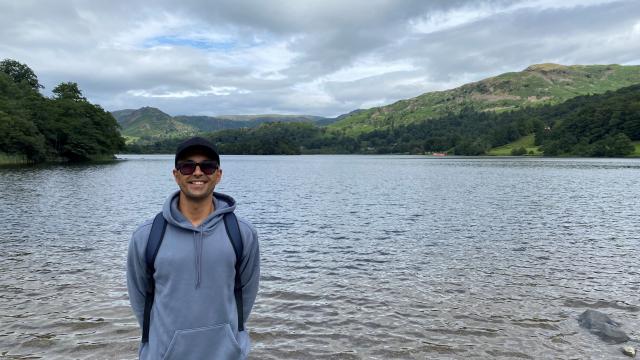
(65,127)
(592,125)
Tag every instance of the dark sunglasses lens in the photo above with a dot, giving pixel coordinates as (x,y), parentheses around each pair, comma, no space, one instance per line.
(208,167)
(187,168)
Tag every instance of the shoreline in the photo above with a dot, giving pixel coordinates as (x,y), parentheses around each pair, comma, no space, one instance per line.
(21,160)
(6,159)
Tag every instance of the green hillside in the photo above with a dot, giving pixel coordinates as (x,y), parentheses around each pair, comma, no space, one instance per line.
(272,118)
(588,125)
(602,125)
(536,85)
(148,124)
(222,122)
(526,142)
(152,123)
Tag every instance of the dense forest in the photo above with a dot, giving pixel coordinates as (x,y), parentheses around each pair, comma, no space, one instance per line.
(65,127)
(592,125)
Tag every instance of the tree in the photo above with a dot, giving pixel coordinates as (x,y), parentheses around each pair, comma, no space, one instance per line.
(20,73)
(68,91)
(43,129)
(616,145)
(20,136)
(519,151)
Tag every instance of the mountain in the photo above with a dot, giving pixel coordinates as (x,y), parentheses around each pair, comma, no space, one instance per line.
(587,125)
(605,124)
(150,122)
(536,85)
(211,123)
(153,124)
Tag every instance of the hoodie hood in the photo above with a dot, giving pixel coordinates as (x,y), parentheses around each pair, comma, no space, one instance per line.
(221,203)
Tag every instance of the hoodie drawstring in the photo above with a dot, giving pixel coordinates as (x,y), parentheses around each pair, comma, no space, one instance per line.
(197,245)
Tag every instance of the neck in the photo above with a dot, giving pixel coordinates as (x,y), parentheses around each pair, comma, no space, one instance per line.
(195,210)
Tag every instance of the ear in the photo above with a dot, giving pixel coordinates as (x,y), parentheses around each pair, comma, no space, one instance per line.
(176,173)
(218,176)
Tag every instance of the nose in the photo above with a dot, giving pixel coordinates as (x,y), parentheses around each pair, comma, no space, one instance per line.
(198,171)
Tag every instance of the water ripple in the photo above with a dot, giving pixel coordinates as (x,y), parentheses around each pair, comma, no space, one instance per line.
(364,257)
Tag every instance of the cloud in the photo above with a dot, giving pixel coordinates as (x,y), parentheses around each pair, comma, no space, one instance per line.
(212,90)
(303,57)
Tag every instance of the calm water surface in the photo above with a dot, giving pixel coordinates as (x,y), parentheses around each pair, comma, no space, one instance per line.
(364,257)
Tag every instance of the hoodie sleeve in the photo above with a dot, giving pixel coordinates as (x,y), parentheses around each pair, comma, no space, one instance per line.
(250,267)
(137,270)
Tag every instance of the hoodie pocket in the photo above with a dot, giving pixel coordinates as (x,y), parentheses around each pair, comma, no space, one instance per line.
(212,342)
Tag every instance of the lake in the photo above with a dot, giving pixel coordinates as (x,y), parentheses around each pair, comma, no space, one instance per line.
(363,257)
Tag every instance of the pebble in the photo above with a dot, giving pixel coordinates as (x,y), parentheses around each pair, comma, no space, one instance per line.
(629,351)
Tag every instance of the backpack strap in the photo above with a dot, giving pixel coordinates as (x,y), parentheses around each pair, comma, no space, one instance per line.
(153,245)
(233,231)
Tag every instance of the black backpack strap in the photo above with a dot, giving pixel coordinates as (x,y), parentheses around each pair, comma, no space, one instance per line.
(153,245)
(233,231)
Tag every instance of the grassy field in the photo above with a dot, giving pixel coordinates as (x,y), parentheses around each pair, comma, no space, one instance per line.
(526,142)
(6,159)
(130,139)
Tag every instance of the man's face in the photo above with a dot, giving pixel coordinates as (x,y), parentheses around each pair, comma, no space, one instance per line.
(197,186)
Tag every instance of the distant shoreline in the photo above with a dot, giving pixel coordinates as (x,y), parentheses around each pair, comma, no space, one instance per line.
(18,160)
(22,160)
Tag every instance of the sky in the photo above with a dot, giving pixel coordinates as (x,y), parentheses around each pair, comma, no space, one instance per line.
(314,57)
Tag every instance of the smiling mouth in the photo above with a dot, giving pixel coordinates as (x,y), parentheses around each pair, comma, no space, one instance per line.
(196,182)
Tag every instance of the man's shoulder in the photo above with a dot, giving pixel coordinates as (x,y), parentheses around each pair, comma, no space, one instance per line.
(244,223)
(143,230)
(146,225)
(247,229)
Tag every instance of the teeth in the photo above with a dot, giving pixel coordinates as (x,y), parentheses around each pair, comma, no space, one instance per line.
(198,182)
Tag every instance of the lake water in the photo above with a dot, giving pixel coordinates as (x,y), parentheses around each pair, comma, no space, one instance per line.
(363,257)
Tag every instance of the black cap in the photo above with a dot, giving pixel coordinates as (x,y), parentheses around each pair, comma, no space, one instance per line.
(197,143)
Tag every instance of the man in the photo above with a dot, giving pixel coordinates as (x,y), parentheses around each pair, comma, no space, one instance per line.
(193,294)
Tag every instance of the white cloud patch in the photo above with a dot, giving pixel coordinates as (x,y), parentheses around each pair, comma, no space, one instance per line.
(443,20)
(451,18)
(368,67)
(213,90)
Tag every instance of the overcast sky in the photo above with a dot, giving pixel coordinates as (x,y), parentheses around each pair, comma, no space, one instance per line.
(320,57)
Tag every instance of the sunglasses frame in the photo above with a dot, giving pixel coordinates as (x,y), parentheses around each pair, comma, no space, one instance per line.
(205,166)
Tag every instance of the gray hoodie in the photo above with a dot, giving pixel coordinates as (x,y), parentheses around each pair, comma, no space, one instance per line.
(194,312)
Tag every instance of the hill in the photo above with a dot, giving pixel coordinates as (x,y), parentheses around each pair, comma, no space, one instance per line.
(150,124)
(543,84)
(588,125)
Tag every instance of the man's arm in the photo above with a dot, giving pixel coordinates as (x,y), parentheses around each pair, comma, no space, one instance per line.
(137,271)
(250,267)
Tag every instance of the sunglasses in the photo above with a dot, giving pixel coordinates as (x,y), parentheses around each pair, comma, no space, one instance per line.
(189,167)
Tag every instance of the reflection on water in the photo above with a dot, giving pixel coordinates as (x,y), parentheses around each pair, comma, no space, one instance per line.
(364,257)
